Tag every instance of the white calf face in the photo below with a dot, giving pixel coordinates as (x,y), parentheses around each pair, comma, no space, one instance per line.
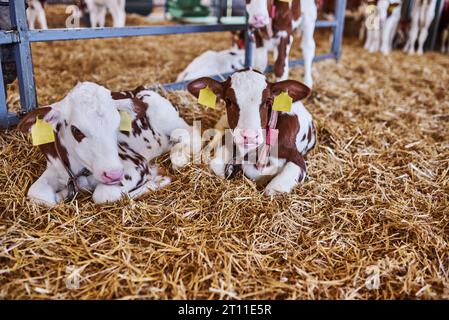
(248,92)
(258,13)
(89,124)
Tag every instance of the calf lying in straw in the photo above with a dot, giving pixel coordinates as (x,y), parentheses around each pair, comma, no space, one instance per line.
(212,63)
(89,152)
(265,143)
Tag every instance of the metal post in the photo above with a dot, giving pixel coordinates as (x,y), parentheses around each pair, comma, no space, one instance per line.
(248,45)
(219,13)
(22,53)
(340,7)
(3,106)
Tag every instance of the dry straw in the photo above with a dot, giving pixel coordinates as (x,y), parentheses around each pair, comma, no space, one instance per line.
(370,222)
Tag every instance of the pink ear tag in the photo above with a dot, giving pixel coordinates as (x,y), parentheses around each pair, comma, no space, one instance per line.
(272,136)
(273,11)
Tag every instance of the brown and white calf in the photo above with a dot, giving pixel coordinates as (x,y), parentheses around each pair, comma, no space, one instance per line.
(423,13)
(249,116)
(211,63)
(36,10)
(90,152)
(273,23)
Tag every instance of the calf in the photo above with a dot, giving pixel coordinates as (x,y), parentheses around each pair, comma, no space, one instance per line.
(36,10)
(89,151)
(249,97)
(423,13)
(97,11)
(212,63)
(273,23)
(381,23)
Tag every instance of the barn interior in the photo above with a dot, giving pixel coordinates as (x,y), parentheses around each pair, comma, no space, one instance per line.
(370,222)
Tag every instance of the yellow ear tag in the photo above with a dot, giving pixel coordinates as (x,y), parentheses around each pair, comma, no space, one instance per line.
(42,132)
(207,98)
(283,102)
(284,0)
(125,121)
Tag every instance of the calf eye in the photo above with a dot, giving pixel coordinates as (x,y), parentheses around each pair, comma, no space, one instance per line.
(77,134)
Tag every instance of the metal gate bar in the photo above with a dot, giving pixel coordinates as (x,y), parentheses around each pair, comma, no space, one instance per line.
(21,37)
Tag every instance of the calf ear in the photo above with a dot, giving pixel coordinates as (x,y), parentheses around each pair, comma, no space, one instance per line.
(195,86)
(30,118)
(295,89)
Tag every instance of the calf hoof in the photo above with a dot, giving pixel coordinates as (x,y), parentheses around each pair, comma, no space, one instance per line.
(231,170)
(179,156)
(43,202)
(277,186)
(104,194)
(217,167)
(40,197)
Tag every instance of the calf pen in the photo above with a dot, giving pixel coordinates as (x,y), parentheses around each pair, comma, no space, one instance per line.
(370,222)
(21,37)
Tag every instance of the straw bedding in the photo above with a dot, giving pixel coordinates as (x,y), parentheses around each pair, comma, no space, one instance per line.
(372,220)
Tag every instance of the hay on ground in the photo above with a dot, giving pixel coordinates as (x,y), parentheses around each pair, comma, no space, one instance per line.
(371,221)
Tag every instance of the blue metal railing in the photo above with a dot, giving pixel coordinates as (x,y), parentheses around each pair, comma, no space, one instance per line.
(21,37)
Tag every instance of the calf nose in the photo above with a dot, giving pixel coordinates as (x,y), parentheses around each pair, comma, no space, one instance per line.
(259,19)
(249,136)
(112,176)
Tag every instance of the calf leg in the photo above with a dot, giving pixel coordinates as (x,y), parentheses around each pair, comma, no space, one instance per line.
(281,63)
(369,36)
(445,41)
(107,193)
(293,172)
(223,155)
(388,33)
(93,17)
(101,16)
(290,176)
(375,41)
(424,32)
(413,34)
(188,143)
(362,32)
(118,14)
(384,47)
(44,190)
(31,17)
(308,42)
(41,15)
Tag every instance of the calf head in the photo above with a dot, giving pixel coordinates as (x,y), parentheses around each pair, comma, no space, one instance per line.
(249,97)
(86,123)
(257,10)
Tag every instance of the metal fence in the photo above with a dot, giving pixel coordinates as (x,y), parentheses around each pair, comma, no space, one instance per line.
(21,38)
